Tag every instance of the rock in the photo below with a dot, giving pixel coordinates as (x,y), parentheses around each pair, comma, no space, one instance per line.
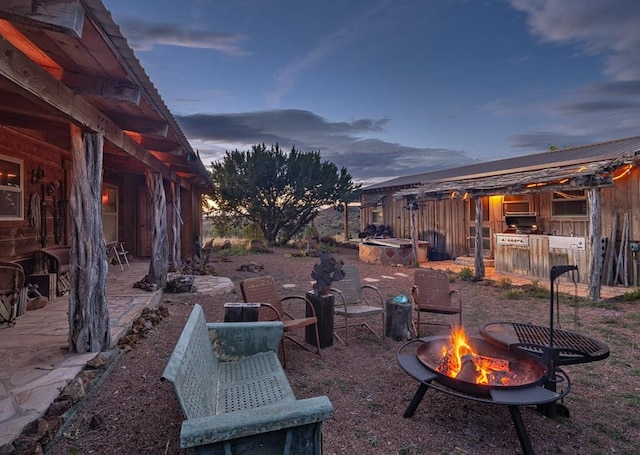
(226,245)
(58,407)
(74,391)
(251,267)
(35,430)
(96,421)
(97,362)
(257,246)
(180,283)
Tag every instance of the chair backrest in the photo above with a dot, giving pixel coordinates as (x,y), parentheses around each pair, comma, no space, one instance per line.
(350,285)
(262,289)
(191,367)
(431,288)
(11,278)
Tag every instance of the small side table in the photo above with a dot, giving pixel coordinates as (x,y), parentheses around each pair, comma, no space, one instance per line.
(323,306)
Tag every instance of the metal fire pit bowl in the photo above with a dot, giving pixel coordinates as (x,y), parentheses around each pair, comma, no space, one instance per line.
(528,371)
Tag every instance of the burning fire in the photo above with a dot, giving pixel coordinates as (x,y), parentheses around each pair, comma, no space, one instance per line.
(460,360)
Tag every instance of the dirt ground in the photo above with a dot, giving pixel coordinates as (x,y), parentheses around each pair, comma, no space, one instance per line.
(132,411)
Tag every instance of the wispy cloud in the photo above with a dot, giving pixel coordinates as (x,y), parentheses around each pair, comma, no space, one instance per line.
(343,143)
(323,49)
(145,35)
(607,27)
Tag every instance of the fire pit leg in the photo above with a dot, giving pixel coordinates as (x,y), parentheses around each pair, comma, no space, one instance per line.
(415,401)
(523,436)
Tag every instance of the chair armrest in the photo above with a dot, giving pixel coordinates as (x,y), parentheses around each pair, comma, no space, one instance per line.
(307,303)
(224,427)
(376,291)
(231,340)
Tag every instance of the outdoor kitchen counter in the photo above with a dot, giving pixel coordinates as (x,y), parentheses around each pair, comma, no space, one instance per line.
(533,255)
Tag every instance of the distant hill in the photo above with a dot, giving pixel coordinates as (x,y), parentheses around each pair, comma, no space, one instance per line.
(330,223)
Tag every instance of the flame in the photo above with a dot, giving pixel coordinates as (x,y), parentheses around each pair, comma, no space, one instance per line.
(459,352)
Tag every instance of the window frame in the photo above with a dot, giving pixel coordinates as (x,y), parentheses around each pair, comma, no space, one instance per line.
(555,200)
(19,216)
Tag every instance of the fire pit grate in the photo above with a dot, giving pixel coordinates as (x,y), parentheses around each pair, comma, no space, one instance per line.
(533,339)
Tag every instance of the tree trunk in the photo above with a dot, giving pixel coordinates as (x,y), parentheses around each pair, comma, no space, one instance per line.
(479,262)
(176,228)
(595,244)
(88,314)
(158,267)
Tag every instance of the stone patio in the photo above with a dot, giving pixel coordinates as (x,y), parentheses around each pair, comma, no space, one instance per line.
(36,364)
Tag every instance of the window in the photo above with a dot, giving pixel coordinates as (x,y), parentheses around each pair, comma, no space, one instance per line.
(110,213)
(515,204)
(569,203)
(11,189)
(376,215)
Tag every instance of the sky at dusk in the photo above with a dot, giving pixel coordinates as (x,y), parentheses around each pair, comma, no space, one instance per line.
(388,88)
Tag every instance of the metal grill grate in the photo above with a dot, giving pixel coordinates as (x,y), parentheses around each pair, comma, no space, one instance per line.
(566,342)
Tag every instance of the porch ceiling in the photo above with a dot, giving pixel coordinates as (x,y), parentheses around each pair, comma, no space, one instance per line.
(74,66)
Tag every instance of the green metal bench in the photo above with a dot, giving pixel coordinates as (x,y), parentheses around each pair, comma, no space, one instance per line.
(234,392)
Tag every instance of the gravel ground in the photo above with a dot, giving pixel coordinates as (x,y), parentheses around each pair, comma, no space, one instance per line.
(132,411)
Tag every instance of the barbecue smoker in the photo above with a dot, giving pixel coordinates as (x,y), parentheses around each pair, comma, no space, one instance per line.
(523,359)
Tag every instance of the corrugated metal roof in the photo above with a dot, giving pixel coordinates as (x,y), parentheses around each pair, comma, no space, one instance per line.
(603,151)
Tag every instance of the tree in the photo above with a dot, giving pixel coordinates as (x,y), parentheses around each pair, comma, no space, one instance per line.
(279,192)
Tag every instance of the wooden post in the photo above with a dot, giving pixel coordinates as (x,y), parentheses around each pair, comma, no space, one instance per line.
(156,278)
(413,207)
(176,227)
(88,314)
(347,236)
(595,255)
(479,262)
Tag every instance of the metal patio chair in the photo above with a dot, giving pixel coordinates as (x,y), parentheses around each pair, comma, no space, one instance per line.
(263,290)
(117,254)
(11,284)
(431,294)
(352,303)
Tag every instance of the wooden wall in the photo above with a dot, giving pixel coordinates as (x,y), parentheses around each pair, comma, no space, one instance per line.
(19,241)
(445,223)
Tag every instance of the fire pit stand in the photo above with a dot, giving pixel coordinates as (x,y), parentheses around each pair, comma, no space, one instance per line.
(513,398)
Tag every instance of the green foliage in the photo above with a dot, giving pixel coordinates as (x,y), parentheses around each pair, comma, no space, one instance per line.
(505,283)
(252,231)
(538,290)
(631,295)
(465,274)
(279,192)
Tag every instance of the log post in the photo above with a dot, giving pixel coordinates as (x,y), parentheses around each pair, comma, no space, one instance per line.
(479,262)
(595,240)
(89,329)
(176,228)
(156,278)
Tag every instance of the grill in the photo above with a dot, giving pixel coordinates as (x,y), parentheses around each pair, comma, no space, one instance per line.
(521,223)
(533,340)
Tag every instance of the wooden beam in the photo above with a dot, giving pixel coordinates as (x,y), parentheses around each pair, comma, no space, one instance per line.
(63,16)
(139,125)
(595,244)
(30,77)
(120,91)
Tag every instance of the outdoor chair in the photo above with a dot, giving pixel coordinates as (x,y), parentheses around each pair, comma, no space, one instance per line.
(117,254)
(263,290)
(430,294)
(351,302)
(11,284)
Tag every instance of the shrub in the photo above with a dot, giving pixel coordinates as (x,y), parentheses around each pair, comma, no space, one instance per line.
(465,274)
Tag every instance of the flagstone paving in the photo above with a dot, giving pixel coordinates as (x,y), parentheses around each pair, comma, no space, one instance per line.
(36,363)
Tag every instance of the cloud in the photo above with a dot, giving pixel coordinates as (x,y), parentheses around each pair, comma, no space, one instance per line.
(144,36)
(593,27)
(346,144)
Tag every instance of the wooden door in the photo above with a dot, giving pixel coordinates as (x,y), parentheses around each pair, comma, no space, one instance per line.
(144,224)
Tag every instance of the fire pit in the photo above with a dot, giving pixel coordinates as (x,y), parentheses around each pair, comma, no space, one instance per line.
(475,366)
(479,371)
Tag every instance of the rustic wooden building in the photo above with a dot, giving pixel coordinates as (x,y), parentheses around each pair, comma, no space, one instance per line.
(546,195)
(72,91)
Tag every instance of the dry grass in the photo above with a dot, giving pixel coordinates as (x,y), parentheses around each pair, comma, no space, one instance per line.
(370,392)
